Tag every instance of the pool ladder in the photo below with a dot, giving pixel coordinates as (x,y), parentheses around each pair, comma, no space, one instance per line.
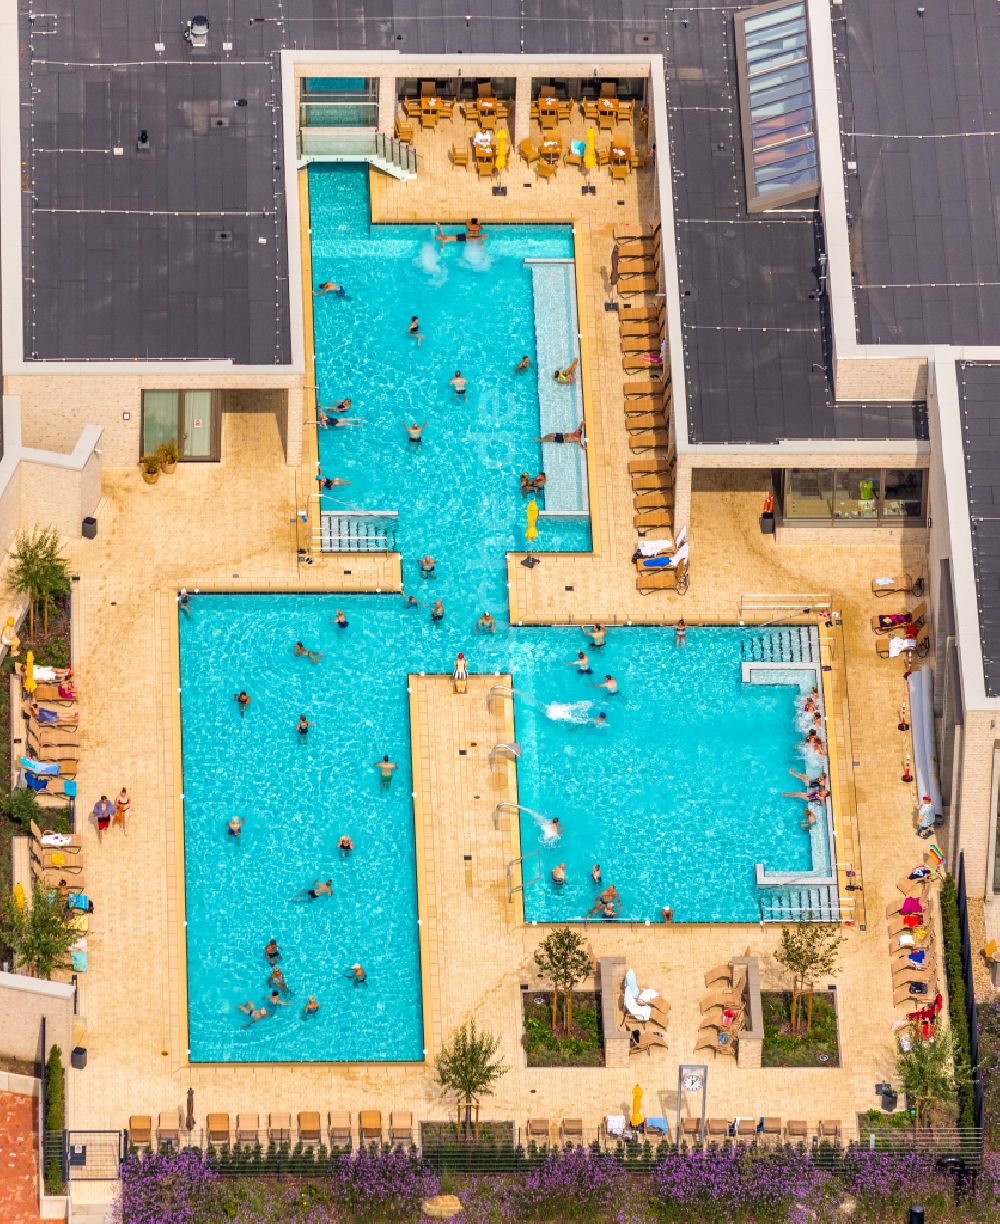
(498,690)
(506,804)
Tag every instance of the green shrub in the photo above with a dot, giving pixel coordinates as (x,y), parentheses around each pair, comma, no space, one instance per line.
(952,936)
(55,1121)
(20,807)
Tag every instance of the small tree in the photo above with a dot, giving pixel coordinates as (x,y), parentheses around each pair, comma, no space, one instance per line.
(929,1073)
(468,1069)
(562,957)
(20,807)
(808,951)
(54,1121)
(38,570)
(40,934)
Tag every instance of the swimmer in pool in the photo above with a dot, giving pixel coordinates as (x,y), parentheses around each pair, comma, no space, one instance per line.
(576,436)
(607,897)
(235,826)
(459,383)
(427,565)
(243,697)
(810,818)
(300,651)
(559,873)
(414,330)
(414,432)
(255,1013)
(272,953)
(597,633)
(330,287)
(277,979)
(680,633)
(357,975)
(345,845)
(601,720)
(552,830)
(609,683)
(568,375)
(385,768)
(523,366)
(581,663)
(319,889)
(311,1007)
(303,725)
(595,873)
(341,620)
(486,624)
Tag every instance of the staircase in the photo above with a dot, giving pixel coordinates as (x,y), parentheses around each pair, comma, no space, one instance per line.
(357,531)
(816,903)
(793,644)
(392,156)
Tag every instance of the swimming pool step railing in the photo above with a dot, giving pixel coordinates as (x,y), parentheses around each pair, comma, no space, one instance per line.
(814,903)
(354,531)
(332,144)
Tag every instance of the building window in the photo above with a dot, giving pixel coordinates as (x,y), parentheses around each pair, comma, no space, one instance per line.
(853,496)
(190,419)
(776,105)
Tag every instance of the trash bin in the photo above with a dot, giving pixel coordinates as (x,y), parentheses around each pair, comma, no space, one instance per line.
(767,523)
(89,528)
(78,1058)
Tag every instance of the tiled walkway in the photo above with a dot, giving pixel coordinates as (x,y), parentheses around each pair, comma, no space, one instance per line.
(18,1183)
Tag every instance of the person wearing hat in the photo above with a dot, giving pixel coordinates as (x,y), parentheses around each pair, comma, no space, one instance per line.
(926,817)
(357,975)
(460,673)
(184,601)
(486,624)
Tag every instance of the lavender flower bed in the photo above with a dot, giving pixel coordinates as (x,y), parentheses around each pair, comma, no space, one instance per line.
(735,1185)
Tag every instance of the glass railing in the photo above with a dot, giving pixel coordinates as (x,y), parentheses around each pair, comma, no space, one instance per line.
(351,111)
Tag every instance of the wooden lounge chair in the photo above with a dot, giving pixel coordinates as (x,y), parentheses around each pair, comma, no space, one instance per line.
(247,1128)
(403,131)
(770,1131)
(691,1130)
(917,617)
(894,906)
(636,269)
(485,168)
(545,170)
(66,758)
(56,860)
(75,881)
(401,1126)
(717,1128)
(661,500)
(650,464)
(647,520)
(538,1130)
(673,579)
(719,974)
(370,1125)
(916,888)
(733,996)
(629,233)
(339,1126)
(641,312)
(899,923)
(901,584)
(529,150)
(645,1042)
(637,248)
(459,156)
(641,342)
(627,328)
(642,386)
(638,363)
(168,1129)
(646,420)
(796,1131)
(921,647)
(572,1130)
(572,159)
(47,733)
(643,403)
(638,284)
(73,846)
(829,1130)
(707,1041)
(648,439)
(140,1131)
(620,170)
(50,692)
(310,1128)
(901,993)
(218,1128)
(279,1127)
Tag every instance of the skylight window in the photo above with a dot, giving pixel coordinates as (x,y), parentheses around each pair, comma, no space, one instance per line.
(776,105)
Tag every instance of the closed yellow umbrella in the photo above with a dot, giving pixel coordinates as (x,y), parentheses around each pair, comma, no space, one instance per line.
(20,899)
(636,1119)
(532,530)
(30,683)
(590,152)
(502,140)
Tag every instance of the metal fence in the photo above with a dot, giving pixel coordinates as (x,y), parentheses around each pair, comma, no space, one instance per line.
(970,998)
(92,1155)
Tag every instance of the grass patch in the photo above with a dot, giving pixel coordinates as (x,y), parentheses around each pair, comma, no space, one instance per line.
(782,1048)
(583,1047)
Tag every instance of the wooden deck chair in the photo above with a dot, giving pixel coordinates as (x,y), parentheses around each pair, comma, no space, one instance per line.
(635,269)
(631,234)
(46,733)
(915,888)
(279,1127)
(829,1130)
(620,171)
(902,994)
(64,756)
(719,973)
(638,284)
(643,403)
(661,500)
(310,1128)
(459,156)
(646,420)
(217,1127)
(706,1042)
(370,1125)
(640,312)
(339,1125)
(796,1131)
(633,363)
(727,996)
(649,520)
(538,1130)
(649,439)
(651,481)
(529,150)
(691,1130)
(641,387)
(650,464)
(572,1130)
(921,647)
(572,159)
(140,1131)
(73,846)
(67,717)
(717,1129)
(673,579)
(50,692)
(917,617)
(485,167)
(896,903)
(401,1126)
(770,1131)
(56,860)
(168,1129)
(638,327)
(403,131)
(75,883)
(646,1042)
(247,1128)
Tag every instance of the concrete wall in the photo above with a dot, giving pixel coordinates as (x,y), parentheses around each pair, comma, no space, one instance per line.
(880,378)
(55,408)
(23,1003)
(58,497)
(971,817)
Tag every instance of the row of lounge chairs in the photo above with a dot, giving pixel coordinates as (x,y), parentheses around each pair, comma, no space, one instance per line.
(723,1010)
(912,946)
(748,1128)
(901,627)
(249,1132)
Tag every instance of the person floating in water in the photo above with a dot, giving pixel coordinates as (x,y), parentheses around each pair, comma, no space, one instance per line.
(301,651)
(303,725)
(486,624)
(609,683)
(576,436)
(357,975)
(343,405)
(345,845)
(255,1013)
(385,768)
(414,330)
(597,633)
(568,375)
(184,601)
(320,888)
(330,287)
(243,697)
(414,432)
(235,826)
(581,663)
(523,366)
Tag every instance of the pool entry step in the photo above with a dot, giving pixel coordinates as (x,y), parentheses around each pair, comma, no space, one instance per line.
(796,644)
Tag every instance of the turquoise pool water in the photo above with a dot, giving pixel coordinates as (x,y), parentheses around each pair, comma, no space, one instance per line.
(677,797)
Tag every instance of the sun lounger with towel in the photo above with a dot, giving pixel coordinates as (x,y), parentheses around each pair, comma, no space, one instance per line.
(614,1124)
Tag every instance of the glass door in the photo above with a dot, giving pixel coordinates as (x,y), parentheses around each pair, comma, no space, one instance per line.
(198,425)
(159,420)
(189,419)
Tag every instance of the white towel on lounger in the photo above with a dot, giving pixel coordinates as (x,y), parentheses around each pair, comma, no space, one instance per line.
(898,646)
(615,1124)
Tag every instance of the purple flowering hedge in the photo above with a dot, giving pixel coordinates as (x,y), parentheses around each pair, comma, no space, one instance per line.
(724,1186)
(988,1016)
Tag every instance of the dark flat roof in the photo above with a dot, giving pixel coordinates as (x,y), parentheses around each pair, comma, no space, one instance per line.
(924,213)
(755,321)
(979,396)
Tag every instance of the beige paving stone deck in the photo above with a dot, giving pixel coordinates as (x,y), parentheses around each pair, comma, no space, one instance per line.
(233,527)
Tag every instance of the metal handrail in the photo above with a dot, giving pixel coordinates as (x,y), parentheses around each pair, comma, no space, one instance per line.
(498,690)
(518,862)
(513,751)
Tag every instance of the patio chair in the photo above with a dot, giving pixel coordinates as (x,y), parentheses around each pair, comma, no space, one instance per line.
(638,284)
(370,1125)
(902,994)
(619,171)
(649,439)
(572,1130)
(638,387)
(247,1128)
(572,159)
(529,150)
(646,1042)
(401,1126)
(538,1131)
(339,1124)
(140,1130)
(403,131)
(641,312)
(916,888)
(218,1128)
(649,465)
(770,1131)
(829,1130)
(485,167)
(55,860)
(279,1127)
(691,1129)
(73,846)
(921,642)
(717,1128)
(886,622)
(673,579)
(545,170)
(459,156)
(650,482)
(484,89)
(310,1128)
(895,906)
(796,1131)
(168,1129)
(659,499)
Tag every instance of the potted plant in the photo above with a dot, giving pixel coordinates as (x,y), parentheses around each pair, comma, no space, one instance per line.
(149,465)
(168,453)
